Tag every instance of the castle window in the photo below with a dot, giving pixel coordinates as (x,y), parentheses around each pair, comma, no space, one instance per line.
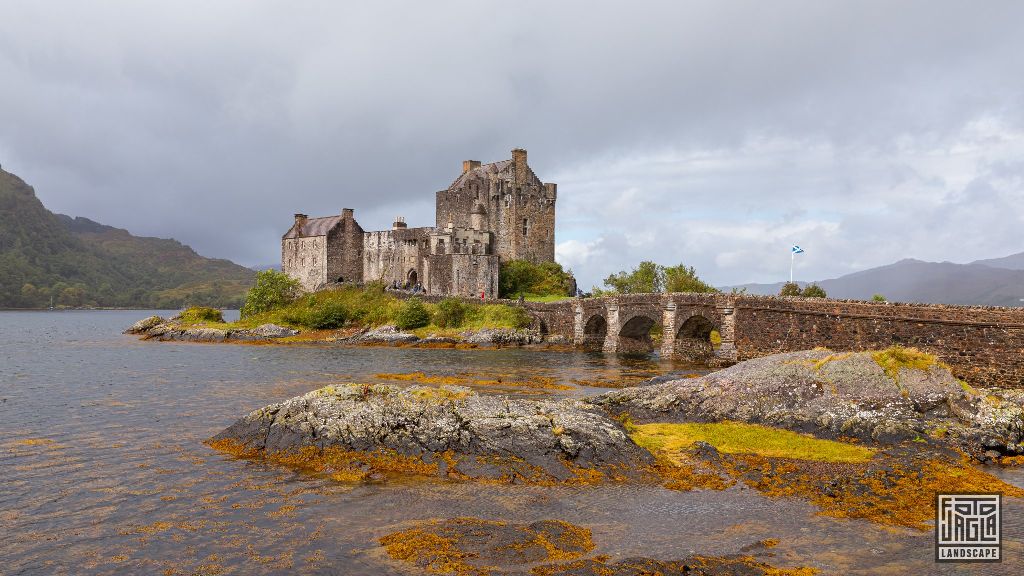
(508,200)
(526,226)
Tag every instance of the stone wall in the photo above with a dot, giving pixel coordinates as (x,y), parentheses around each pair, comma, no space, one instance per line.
(305,259)
(983,345)
(463,275)
(397,255)
(345,250)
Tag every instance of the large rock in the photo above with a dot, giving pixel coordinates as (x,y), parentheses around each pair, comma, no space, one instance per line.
(384,335)
(272,331)
(145,324)
(503,337)
(837,395)
(476,436)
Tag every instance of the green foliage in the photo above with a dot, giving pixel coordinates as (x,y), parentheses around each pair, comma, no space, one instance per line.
(196,314)
(878,298)
(496,316)
(790,289)
(450,313)
(272,290)
(317,313)
(650,277)
(522,277)
(813,291)
(683,278)
(77,262)
(412,314)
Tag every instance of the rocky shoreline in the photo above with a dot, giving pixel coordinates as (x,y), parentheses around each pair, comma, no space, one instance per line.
(172,330)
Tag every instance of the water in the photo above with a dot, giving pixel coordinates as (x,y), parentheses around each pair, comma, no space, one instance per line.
(103,470)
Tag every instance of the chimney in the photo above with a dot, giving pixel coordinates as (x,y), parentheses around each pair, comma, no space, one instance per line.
(347,213)
(300,221)
(399,223)
(519,160)
(468,165)
(551,190)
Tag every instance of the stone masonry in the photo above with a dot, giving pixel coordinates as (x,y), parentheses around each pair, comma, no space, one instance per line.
(983,345)
(491,213)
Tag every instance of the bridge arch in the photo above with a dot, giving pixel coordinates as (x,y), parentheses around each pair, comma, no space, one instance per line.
(693,338)
(634,338)
(595,330)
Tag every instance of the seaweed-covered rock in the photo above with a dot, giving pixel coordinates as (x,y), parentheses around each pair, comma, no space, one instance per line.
(451,429)
(887,396)
(503,337)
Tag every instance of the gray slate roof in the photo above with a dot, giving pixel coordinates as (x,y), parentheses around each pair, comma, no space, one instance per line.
(314,227)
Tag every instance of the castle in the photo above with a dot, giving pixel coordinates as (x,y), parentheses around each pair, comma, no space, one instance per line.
(490,214)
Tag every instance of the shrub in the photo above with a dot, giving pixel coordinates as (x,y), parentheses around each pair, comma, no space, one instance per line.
(201,314)
(790,289)
(814,291)
(412,314)
(450,313)
(326,315)
(878,298)
(523,277)
(272,290)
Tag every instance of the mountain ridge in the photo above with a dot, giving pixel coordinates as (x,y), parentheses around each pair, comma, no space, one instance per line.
(74,261)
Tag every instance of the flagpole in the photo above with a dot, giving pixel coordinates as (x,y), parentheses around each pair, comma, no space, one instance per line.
(792,257)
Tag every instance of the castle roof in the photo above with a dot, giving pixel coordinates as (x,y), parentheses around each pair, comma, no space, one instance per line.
(503,167)
(314,227)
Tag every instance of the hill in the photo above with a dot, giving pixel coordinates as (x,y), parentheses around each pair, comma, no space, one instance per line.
(912,280)
(79,262)
(1011,262)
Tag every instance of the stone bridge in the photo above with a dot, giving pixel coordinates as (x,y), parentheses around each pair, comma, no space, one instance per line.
(983,345)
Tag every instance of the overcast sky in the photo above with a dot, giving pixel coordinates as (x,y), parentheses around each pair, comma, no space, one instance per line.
(711,133)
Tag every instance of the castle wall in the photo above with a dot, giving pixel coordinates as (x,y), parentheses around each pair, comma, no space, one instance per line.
(345,251)
(305,259)
(390,255)
(464,275)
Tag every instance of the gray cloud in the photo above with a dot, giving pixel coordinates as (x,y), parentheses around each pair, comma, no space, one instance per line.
(714,133)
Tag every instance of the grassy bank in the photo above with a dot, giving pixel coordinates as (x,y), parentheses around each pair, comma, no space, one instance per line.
(369,307)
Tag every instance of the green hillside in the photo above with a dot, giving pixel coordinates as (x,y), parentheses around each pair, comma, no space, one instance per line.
(79,262)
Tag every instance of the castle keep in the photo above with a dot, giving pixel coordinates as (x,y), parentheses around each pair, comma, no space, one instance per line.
(491,213)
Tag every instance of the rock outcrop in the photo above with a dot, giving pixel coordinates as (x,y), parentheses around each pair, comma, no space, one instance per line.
(450,429)
(836,395)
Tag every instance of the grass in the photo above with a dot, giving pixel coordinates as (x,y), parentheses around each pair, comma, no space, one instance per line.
(545,298)
(355,307)
(197,314)
(741,438)
(895,358)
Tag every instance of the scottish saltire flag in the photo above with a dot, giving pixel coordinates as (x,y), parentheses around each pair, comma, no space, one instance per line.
(797,250)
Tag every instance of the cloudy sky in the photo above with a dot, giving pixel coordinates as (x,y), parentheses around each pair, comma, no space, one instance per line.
(711,133)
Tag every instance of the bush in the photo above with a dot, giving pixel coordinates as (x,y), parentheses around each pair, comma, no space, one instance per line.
(650,277)
(790,289)
(201,314)
(272,290)
(878,298)
(546,279)
(450,313)
(814,291)
(412,314)
(326,316)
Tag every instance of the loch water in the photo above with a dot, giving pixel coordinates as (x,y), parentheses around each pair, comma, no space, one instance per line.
(103,469)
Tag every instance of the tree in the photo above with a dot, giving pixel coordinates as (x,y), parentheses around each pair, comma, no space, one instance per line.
(272,290)
(412,314)
(523,277)
(649,277)
(683,278)
(790,289)
(645,278)
(878,298)
(813,291)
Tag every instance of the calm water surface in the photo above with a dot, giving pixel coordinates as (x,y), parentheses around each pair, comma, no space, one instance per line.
(103,470)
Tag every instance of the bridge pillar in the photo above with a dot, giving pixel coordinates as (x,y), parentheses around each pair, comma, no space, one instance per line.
(611,338)
(577,324)
(668,330)
(727,351)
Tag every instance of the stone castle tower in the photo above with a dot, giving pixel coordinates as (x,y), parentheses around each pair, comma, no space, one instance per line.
(491,213)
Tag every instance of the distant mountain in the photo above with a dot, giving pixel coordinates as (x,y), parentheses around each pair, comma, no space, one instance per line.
(932,282)
(1011,262)
(79,262)
(262,267)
